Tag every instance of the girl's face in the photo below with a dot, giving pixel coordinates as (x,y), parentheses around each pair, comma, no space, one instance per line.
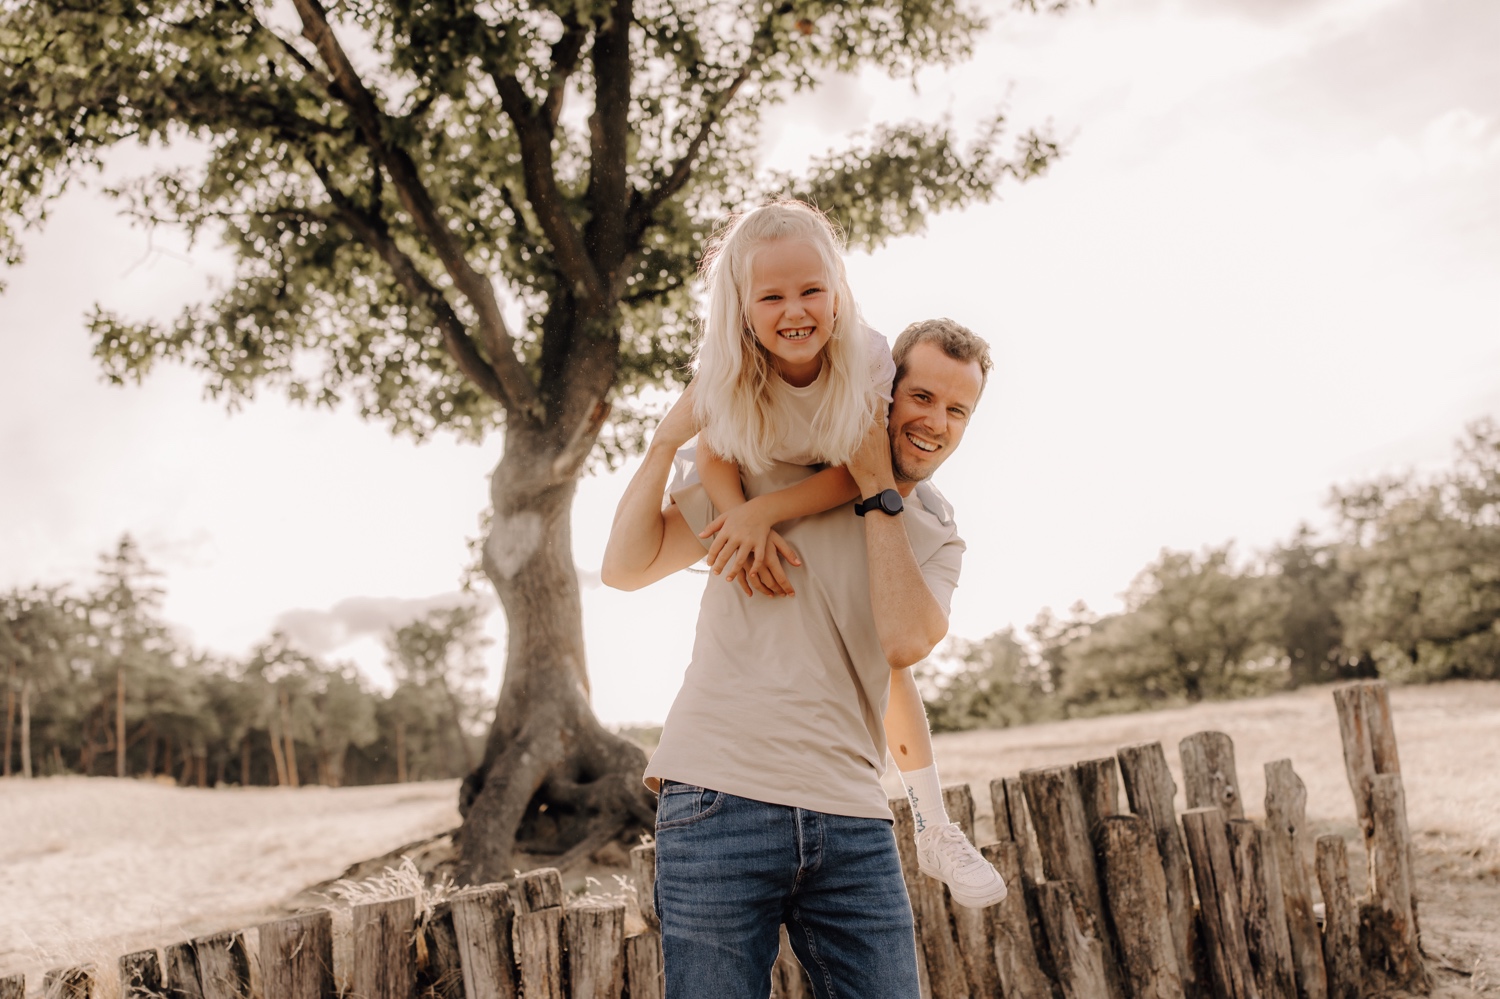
(791,307)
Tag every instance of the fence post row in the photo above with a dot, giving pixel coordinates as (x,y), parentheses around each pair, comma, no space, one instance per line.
(1101,903)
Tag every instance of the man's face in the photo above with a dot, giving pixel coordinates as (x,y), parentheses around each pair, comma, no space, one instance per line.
(930,410)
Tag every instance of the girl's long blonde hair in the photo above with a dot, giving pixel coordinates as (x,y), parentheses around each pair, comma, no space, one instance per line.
(735,378)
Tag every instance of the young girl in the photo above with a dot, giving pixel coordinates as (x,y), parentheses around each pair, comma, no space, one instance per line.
(787,372)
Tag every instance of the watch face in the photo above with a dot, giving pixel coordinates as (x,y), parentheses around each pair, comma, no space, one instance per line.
(890,501)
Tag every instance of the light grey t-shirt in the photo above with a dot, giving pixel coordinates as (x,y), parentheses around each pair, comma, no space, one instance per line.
(785,697)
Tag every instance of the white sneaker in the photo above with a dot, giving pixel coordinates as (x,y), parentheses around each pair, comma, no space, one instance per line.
(945,853)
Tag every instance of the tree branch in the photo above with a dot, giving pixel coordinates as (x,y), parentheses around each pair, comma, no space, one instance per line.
(518,394)
(534,134)
(609,139)
(564,63)
(644,206)
(372,230)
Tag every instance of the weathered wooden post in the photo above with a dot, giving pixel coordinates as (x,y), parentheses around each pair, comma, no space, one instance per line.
(437,961)
(1219,904)
(140,975)
(643,876)
(296,957)
(1151,792)
(1286,815)
(1008,926)
(643,958)
(1001,807)
(1074,936)
(788,979)
(643,966)
(537,934)
(969,925)
(1022,830)
(1369,741)
(384,938)
(1259,883)
(182,972)
(594,949)
(1008,794)
(482,921)
(1209,775)
(74,982)
(939,963)
(1136,891)
(221,962)
(1388,918)
(1340,920)
(1099,784)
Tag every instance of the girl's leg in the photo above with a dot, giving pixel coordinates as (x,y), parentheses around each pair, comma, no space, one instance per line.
(911,744)
(943,851)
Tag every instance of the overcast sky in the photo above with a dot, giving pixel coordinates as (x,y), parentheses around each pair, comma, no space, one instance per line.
(1269,263)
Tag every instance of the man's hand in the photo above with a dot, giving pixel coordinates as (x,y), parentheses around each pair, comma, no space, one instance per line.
(870,465)
(680,425)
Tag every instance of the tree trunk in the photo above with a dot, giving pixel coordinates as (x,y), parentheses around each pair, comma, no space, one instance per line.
(120,723)
(26,728)
(466,755)
(276,755)
(245,760)
(546,747)
(292,777)
(10,713)
(400,753)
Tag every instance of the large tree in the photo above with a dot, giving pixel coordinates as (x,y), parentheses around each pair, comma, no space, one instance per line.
(474,215)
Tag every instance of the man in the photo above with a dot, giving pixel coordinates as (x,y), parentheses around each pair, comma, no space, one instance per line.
(771,807)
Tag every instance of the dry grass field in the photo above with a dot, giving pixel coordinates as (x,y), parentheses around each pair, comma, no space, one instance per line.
(91,869)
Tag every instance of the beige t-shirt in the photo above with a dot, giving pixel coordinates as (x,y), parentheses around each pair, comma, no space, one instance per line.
(784,698)
(798,405)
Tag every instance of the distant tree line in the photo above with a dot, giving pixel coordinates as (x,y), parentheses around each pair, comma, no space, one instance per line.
(96,683)
(1406,587)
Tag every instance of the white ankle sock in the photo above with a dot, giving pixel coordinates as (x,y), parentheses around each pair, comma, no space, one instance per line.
(926,796)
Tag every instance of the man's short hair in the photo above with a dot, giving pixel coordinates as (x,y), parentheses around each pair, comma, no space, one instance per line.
(956,340)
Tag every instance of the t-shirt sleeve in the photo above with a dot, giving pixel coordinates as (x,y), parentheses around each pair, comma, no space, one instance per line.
(882,366)
(941,571)
(688,493)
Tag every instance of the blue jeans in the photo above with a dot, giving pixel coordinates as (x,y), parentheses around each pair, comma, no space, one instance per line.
(730,871)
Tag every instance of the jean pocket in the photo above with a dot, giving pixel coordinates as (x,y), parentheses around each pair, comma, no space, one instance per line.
(684,804)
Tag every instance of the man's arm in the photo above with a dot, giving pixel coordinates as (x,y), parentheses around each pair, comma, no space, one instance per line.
(909,620)
(649,541)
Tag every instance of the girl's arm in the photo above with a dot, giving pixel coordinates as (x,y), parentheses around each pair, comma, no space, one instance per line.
(744,543)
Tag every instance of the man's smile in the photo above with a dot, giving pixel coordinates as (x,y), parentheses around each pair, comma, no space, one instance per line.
(922,444)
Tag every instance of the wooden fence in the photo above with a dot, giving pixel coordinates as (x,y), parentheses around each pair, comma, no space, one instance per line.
(1107,902)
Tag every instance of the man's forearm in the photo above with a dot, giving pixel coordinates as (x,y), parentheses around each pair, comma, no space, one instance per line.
(635,539)
(908,618)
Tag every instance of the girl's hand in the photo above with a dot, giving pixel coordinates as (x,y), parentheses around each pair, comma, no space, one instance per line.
(742,541)
(770,579)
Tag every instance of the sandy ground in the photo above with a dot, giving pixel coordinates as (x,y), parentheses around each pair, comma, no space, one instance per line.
(94,868)
(91,868)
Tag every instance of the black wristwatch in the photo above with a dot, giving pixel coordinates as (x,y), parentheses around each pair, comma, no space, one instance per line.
(887,501)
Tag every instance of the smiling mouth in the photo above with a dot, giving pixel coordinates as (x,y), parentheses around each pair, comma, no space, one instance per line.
(798,334)
(926,446)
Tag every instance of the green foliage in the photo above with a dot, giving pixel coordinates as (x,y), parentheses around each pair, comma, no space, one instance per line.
(278,716)
(1408,589)
(997,683)
(1425,554)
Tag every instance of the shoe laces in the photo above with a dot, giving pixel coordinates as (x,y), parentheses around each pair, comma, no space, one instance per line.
(953,846)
